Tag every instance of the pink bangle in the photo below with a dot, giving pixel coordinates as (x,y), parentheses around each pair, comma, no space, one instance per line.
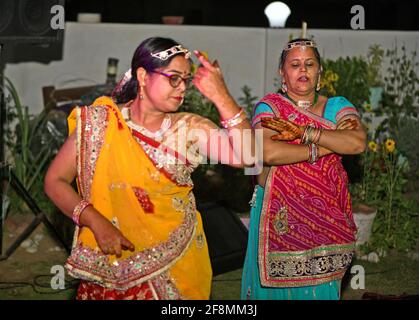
(78,210)
(232,121)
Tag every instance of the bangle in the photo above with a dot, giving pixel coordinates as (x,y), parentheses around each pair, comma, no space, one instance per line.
(313,153)
(78,210)
(317,135)
(306,136)
(235,120)
(311,134)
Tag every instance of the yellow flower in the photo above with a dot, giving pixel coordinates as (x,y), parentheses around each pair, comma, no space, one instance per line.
(390,145)
(367,107)
(328,80)
(372,146)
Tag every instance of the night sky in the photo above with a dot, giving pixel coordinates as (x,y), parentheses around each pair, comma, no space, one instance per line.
(329,14)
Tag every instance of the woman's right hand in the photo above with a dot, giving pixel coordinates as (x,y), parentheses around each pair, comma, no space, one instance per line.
(109,239)
(209,80)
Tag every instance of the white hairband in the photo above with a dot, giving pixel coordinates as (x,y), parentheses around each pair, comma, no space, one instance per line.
(166,54)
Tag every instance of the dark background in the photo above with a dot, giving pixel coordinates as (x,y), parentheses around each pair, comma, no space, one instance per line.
(329,14)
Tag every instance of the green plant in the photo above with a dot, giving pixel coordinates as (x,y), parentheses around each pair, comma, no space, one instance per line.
(350,79)
(396,225)
(407,144)
(30,146)
(248,100)
(375,57)
(401,90)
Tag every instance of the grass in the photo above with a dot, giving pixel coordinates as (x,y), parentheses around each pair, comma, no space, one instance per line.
(394,275)
(28,276)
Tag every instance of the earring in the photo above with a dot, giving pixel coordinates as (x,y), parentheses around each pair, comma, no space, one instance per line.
(318,87)
(284,88)
(141,95)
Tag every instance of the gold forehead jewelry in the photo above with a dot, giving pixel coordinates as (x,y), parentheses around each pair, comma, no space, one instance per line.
(166,54)
(303,44)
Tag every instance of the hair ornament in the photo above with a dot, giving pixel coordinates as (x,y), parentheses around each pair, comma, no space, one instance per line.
(303,44)
(166,54)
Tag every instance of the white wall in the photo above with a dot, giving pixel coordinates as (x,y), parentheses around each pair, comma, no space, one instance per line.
(248,56)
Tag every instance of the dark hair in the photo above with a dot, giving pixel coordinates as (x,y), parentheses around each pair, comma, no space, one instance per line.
(142,58)
(284,53)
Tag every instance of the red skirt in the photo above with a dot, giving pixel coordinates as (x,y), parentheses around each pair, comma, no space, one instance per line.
(90,291)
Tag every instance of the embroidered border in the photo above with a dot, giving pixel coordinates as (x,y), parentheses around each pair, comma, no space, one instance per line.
(92,123)
(88,145)
(179,173)
(305,268)
(88,264)
(165,288)
(346,111)
(269,101)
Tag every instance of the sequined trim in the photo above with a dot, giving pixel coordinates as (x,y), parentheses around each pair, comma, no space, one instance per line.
(143,199)
(252,201)
(92,265)
(92,124)
(90,131)
(305,268)
(178,203)
(280,221)
(328,124)
(165,287)
(179,172)
(345,112)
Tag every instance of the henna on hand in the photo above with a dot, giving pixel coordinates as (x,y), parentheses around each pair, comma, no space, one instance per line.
(287,130)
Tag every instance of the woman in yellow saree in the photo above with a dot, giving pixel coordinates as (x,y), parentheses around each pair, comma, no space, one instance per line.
(138,234)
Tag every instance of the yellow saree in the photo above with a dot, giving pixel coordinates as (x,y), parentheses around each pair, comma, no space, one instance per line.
(129,182)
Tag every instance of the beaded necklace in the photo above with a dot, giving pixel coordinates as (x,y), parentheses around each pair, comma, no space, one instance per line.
(157,135)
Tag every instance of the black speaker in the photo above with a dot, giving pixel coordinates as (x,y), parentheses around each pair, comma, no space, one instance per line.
(226,236)
(27,33)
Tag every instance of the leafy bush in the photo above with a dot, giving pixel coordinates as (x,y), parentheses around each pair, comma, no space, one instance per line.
(31,143)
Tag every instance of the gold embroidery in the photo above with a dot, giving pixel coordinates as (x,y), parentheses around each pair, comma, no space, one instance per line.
(89,264)
(280,221)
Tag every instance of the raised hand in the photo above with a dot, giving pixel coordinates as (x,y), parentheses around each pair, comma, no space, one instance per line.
(209,80)
(287,131)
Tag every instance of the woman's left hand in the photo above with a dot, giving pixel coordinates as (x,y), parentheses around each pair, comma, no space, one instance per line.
(209,80)
(287,130)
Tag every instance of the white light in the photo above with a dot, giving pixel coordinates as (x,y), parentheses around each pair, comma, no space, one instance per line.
(277,13)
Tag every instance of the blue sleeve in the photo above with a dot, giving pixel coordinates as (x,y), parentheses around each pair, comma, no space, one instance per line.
(337,108)
(261,110)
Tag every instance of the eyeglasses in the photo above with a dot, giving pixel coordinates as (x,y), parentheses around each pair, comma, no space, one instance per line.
(175,79)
